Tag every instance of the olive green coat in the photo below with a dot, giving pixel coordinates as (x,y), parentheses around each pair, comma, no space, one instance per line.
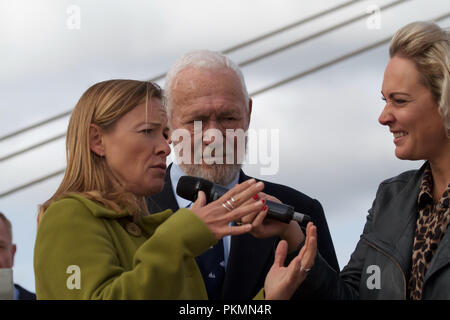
(85,251)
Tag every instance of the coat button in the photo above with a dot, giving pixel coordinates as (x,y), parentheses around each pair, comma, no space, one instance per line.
(133,229)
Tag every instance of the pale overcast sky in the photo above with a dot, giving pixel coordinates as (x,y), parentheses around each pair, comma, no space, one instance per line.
(331,146)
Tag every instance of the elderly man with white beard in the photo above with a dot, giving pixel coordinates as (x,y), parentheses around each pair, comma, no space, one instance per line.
(206,99)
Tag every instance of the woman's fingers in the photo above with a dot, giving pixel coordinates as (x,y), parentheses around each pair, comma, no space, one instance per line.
(268,197)
(307,255)
(280,253)
(232,206)
(201,200)
(237,214)
(256,218)
(281,282)
(241,193)
(237,230)
(311,252)
(244,210)
(260,217)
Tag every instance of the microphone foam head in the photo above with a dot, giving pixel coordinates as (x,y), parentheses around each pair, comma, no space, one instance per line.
(188,187)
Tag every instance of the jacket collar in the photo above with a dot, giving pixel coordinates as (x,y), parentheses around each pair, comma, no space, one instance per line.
(441,257)
(394,229)
(99,210)
(394,225)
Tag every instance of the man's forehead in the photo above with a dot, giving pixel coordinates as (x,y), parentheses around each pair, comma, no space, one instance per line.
(193,82)
(211,88)
(208,108)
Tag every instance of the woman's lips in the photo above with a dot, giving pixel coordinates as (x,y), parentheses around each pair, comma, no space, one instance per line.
(399,136)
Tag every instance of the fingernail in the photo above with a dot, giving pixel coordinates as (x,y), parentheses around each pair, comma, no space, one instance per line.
(265,208)
(251,181)
(263,200)
(255,197)
(259,184)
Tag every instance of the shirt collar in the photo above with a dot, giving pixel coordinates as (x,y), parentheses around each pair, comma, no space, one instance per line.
(176,173)
(425,195)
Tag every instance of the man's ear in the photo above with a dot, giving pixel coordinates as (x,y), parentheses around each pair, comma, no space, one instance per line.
(250,103)
(13,252)
(96,140)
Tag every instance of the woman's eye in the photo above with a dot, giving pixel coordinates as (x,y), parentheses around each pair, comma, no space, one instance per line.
(400,101)
(383,98)
(146,131)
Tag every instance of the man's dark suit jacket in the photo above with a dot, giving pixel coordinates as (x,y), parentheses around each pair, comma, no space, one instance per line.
(24,294)
(250,259)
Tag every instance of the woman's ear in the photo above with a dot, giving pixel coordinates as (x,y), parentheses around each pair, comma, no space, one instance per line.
(96,140)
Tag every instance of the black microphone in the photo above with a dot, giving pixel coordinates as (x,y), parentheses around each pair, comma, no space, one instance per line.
(188,188)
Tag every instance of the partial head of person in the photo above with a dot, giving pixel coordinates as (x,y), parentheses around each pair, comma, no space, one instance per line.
(416,88)
(207,99)
(116,146)
(7,247)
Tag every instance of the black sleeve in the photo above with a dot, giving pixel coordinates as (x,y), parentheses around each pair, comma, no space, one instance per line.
(324,242)
(325,282)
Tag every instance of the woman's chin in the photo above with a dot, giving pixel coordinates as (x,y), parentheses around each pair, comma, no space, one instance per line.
(403,154)
(156,187)
(148,190)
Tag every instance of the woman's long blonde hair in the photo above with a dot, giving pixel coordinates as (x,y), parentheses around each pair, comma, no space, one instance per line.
(87,173)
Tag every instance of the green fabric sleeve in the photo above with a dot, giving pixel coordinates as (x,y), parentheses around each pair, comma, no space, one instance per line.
(163,267)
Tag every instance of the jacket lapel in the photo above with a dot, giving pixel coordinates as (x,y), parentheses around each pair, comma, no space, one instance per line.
(248,263)
(441,258)
(165,199)
(400,213)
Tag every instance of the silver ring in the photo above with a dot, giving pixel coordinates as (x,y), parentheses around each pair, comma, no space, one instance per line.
(232,199)
(230,204)
(304,269)
(226,207)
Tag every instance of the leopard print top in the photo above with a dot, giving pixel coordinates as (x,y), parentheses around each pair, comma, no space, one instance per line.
(430,227)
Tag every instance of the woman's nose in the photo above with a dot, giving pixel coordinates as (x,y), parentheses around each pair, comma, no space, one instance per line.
(164,147)
(386,117)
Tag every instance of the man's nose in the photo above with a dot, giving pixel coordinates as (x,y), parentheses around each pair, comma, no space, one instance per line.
(211,129)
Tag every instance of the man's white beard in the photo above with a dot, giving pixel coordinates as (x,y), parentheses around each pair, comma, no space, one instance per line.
(222,174)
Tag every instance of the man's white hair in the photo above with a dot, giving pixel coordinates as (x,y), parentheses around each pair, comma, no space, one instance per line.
(201,59)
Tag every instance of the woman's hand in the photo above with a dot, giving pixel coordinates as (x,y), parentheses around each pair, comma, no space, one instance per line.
(265,228)
(281,282)
(232,206)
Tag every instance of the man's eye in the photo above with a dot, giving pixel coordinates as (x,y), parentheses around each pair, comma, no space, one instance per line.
(229,119)
(400,101)
(383,98)
(146,131)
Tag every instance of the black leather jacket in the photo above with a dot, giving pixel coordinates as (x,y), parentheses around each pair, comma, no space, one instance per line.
(379,267)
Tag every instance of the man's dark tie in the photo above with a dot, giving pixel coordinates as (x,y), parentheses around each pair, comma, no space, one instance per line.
(212,266)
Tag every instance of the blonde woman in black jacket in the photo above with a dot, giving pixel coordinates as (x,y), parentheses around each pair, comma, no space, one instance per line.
(404,251)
